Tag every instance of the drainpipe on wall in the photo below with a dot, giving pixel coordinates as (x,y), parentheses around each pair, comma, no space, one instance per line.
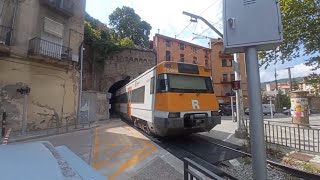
(13,20)
(80,83)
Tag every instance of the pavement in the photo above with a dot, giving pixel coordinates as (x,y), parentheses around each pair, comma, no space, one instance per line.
(121,152)
(118,151)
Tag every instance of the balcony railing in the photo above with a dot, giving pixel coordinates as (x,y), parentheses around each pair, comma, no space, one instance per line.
(40,47)
(5,34)
(63,6)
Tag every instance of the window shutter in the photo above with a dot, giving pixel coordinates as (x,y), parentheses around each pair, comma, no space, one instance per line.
(53,27)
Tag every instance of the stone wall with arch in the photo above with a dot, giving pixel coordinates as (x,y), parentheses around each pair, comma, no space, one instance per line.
(128,62)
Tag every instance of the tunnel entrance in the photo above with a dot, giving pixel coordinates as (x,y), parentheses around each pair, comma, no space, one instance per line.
(112,90)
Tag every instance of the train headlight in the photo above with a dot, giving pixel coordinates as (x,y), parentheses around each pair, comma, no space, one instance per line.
(174,114)
(214,113)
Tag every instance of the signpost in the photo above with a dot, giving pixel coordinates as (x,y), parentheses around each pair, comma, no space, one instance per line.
(250,26)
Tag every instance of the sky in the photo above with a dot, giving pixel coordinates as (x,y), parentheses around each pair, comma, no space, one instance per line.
(165,16)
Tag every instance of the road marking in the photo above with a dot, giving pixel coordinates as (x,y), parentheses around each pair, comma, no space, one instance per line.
(112,156)
(95,147)
(135,158)
(144,145)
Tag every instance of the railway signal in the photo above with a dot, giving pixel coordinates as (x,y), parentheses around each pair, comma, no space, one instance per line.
(236,85)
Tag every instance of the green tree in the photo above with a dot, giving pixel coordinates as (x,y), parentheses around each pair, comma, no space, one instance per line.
(126,43)
(128,24)
(101,42)
(284,100)
(301,22)
(314,80)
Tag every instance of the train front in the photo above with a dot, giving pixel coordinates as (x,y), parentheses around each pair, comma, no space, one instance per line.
(185,102)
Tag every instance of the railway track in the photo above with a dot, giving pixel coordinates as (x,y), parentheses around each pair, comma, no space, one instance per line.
(209,153)
(287,169)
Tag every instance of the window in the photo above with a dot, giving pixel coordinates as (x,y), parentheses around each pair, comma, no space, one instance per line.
(152,85)
(231,61)
(168,55)
(181,57)
(225,77)
(194,50)
(189,84)
(138,95)
(195,61)
(168,43)
(161,83)
(224,63)
(181,46)
(206,62)
(123,98)
(232,77)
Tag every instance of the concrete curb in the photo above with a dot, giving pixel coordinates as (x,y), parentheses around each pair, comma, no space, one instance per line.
(13,140)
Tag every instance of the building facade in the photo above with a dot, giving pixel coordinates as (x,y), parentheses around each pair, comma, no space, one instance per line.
(39,48)
(171,49)
(223,73)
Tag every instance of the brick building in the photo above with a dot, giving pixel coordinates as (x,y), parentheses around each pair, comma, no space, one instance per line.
(171,49)
(223,73)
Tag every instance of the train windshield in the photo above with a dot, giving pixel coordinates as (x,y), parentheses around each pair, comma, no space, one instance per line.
(185,83)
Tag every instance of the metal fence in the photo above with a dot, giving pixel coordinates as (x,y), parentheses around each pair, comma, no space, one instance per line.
(5,33)
(49,49)
(298,136)
(191,174)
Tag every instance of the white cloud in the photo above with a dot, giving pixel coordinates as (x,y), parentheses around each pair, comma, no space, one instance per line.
(299,70)
(165,15)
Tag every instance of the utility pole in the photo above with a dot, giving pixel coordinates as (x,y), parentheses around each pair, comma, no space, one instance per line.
(241,131)
(277,89)
(275,79)
(290,80)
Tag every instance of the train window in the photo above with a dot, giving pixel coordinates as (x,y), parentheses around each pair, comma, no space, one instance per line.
(152,85)
(161,83)
(138,95)
(189,84)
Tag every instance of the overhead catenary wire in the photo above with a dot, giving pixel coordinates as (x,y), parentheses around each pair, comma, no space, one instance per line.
(187,26)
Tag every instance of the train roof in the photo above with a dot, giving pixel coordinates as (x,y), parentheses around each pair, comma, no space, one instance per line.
(154,67)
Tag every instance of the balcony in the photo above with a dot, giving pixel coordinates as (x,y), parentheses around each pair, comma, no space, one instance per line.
(39,48)
(5,37)
(65,7)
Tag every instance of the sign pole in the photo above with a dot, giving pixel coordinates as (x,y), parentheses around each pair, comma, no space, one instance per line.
(232,113)
(258,148)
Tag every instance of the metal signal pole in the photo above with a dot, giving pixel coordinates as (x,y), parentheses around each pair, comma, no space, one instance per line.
(241,131)
(290,80)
